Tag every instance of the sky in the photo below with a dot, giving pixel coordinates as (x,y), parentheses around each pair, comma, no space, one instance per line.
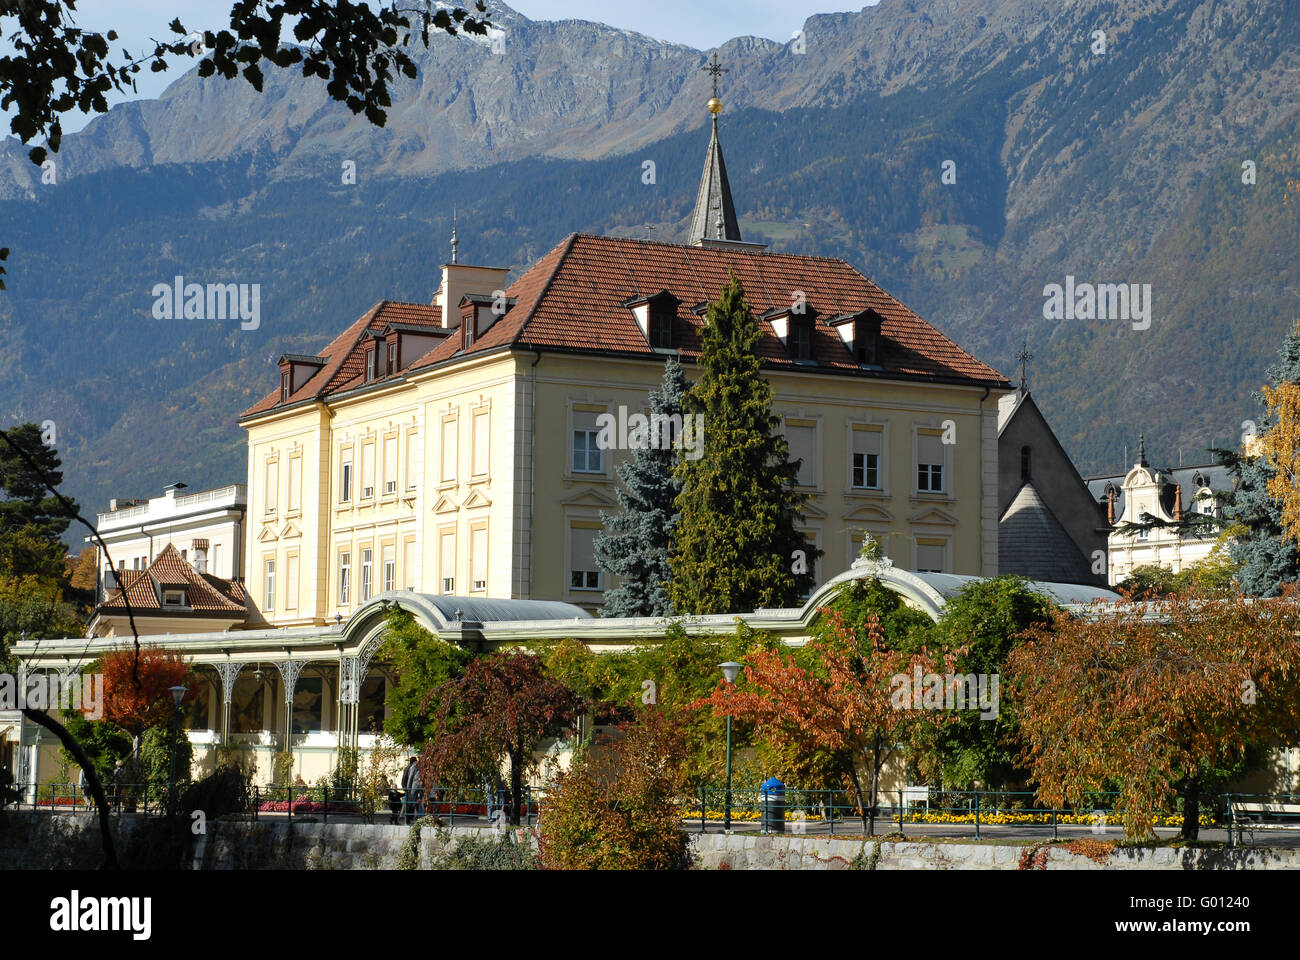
(702,24)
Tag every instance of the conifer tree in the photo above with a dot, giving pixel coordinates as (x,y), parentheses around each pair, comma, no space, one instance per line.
(736,546)
(634,545)
(1268,557)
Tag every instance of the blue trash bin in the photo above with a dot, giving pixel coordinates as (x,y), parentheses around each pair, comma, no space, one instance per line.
(772,792)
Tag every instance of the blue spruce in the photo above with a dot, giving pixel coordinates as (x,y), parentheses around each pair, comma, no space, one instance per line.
(634,546)
(1268,558)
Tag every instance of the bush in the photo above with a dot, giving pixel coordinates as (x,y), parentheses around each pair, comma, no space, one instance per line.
(489,852)
(156,758)
(615,809)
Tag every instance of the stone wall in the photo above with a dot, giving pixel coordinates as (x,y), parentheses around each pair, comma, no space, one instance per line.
(40,841)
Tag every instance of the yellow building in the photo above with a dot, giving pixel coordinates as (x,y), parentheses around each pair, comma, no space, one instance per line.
(452,447)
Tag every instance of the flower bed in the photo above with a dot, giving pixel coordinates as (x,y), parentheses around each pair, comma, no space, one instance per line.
(306,806)
(986,819)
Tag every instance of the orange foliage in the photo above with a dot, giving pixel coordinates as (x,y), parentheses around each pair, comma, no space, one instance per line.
(137,706)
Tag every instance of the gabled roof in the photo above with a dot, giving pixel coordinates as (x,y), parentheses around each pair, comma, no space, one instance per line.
(575,299)
(170,570)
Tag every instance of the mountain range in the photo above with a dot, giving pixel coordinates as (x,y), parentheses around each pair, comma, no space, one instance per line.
(963,153)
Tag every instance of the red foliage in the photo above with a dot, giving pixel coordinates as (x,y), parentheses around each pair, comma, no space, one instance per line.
(137,706)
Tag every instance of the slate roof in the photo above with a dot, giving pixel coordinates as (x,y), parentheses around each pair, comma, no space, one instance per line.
(203,593)
(573,299)
(1033,544)
(1219,480)
(714,198)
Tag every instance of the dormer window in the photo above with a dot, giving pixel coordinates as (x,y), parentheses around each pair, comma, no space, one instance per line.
(655,315)
(795,329)
(371,373)
(173,598)
(799,341)
(468,328)
(392,357)
(284,387)
(861,335)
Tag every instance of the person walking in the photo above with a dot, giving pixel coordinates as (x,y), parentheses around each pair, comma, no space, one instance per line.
(85,787)
(411,788)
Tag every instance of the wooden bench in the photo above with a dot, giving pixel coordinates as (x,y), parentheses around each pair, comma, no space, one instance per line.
(1251,815)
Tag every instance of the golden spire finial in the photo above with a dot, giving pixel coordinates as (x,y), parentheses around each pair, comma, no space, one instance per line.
(716,70)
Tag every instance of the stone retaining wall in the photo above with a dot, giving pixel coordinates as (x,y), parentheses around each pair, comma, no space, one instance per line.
(42,841)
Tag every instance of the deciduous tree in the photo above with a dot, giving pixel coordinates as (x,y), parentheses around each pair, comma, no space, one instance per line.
(504,706)
(846,702)
(1155,697)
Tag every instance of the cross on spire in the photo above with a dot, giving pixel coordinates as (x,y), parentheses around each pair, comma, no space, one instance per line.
(715,70)
(1024,356)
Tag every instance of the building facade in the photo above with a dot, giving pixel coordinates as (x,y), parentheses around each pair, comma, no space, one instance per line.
(1147,508)
(206,528)
(455,447)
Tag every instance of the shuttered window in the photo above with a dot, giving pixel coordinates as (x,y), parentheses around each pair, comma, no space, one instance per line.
(929,463)
(866,459)
(482,436)
(478,560)
(448,450)
(584,574)
(802,439)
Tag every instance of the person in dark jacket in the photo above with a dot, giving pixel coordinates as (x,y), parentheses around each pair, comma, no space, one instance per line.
(413,789)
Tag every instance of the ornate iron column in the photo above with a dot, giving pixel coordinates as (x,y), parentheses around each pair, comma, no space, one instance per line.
(229,673)
(290,670)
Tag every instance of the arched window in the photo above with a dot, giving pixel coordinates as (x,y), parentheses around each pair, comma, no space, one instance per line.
(1024,464)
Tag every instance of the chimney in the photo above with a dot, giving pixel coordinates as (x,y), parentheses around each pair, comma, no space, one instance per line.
(458,280)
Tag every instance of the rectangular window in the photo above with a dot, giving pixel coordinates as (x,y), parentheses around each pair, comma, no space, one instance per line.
(345,578)
(390,568)
(800,340)
(390,464)
(284,387)
(345,478)
(216,561)
(270,586)
(866,459)
(272,484)
(447,560)
(367,556)
(478,559)
(392,357)
(482,428)
(587,455)
(584,574)
(408,565)
(412,451)
(468,324)
(367,470)
(291,583)
(929,463)
(802,439)
(930,556)
(448,450)
(370,364)
(295,484)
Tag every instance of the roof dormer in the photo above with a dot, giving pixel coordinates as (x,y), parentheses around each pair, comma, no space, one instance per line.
(656,316)
(861,335)
(794,326)
(295,370)
(404,343)
(478,311)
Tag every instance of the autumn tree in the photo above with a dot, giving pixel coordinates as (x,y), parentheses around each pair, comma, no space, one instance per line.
(137,706)
(848,702)
(1155,698)
(504,706)
(615,808)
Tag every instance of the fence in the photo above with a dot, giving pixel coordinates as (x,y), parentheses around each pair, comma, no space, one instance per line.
(798,810)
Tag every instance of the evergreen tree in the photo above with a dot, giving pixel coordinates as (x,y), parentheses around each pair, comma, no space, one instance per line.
(736,546)
(634,544)
(1267,557)
(32,520)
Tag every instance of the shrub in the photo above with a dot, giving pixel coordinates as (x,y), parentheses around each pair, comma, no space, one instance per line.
(492,851)
(614,809)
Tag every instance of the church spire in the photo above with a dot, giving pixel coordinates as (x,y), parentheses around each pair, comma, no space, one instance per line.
(715,214)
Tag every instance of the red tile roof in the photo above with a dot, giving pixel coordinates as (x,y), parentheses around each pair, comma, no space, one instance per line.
(171,571)
(572,299)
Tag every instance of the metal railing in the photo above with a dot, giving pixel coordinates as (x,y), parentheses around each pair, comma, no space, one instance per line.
(142,798)
(830,811)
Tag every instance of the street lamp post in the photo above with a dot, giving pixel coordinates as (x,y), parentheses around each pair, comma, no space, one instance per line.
(178,694)
(730,670)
